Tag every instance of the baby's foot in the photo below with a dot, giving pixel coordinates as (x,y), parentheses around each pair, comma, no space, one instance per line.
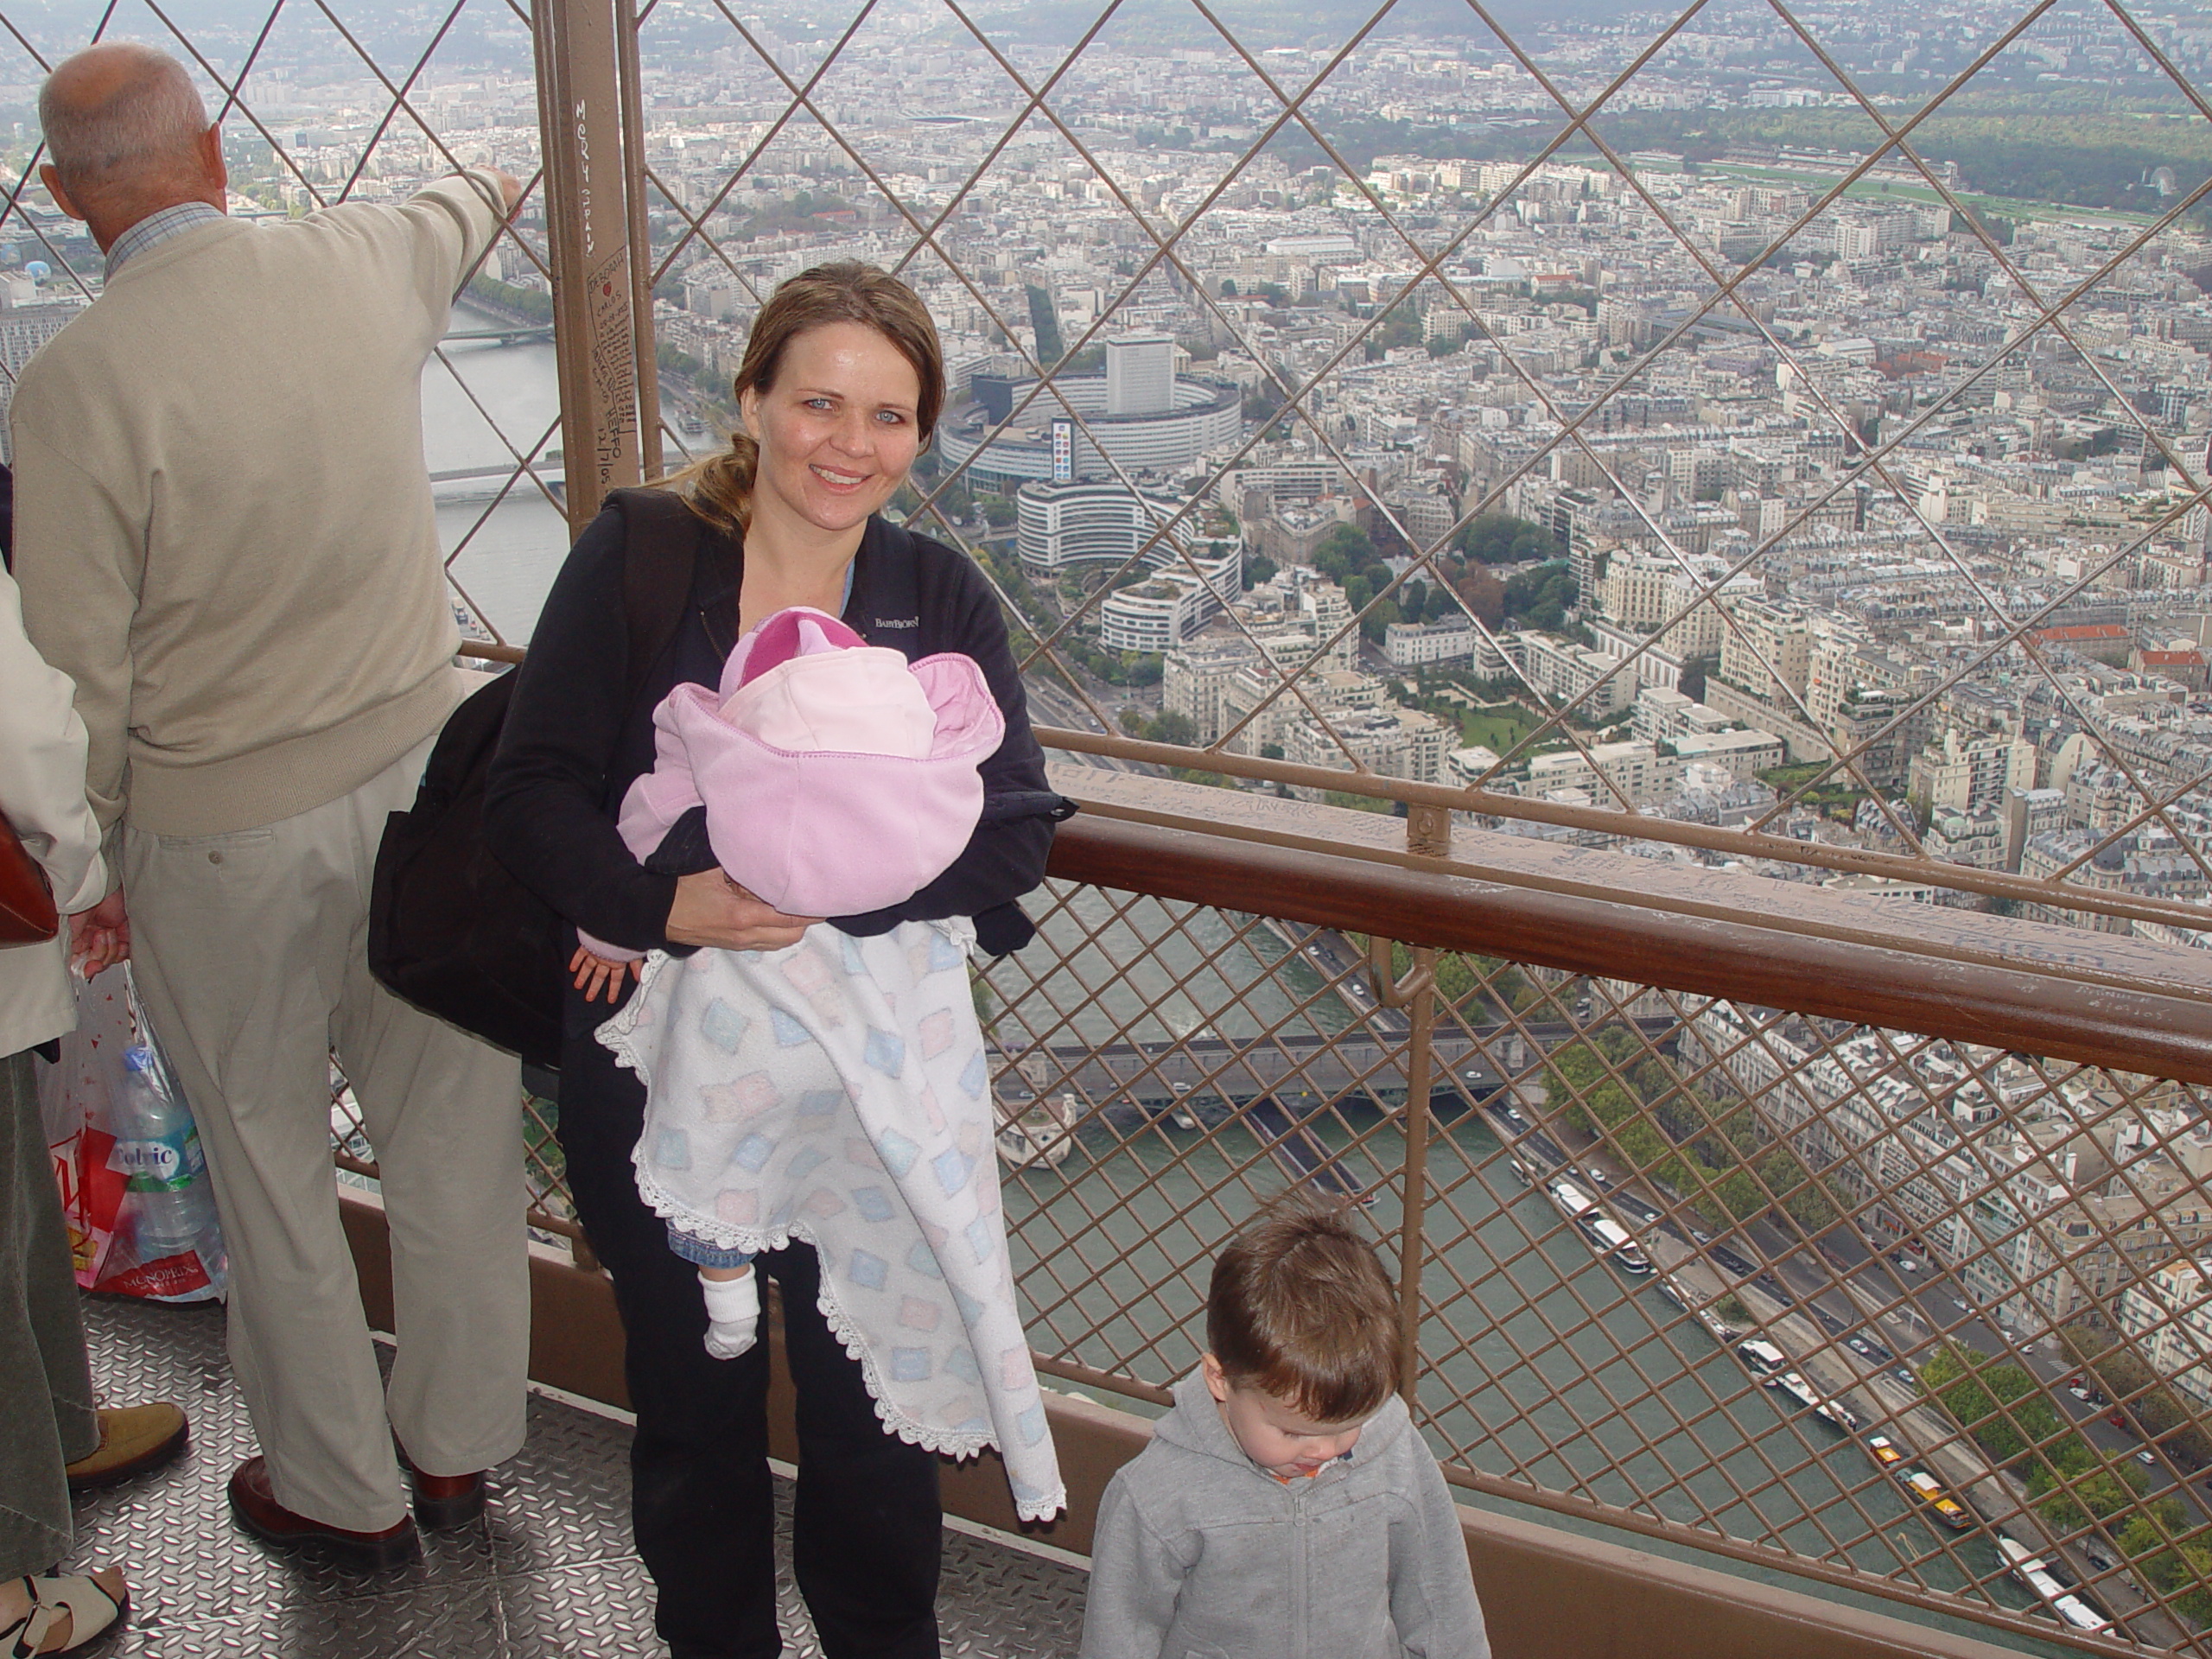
(733,1313)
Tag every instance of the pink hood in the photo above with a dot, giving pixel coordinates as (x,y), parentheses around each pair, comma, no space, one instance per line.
(823,831)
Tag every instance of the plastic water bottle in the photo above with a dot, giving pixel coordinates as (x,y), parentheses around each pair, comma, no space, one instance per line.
(157,1146)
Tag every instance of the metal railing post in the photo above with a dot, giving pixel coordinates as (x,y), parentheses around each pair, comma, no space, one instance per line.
(588,227)
(1412,1240)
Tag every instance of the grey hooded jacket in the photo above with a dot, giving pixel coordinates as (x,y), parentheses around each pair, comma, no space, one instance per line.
(1202,1554)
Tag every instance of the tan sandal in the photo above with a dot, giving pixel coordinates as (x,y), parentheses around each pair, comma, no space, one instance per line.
(92,1613)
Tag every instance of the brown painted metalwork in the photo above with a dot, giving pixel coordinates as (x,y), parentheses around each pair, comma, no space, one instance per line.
(1417,1017)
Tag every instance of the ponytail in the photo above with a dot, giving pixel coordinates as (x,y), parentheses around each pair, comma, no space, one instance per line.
(720,488)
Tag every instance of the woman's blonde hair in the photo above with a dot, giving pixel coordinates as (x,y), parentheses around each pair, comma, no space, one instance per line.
(720,488)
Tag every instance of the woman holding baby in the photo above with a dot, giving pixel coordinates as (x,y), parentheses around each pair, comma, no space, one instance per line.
(837,730)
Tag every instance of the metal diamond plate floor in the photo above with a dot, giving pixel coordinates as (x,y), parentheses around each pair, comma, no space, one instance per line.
(549,1570)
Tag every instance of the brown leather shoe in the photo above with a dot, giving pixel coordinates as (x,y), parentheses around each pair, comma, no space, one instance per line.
(444,1502)
(133,1439)
(256,1506)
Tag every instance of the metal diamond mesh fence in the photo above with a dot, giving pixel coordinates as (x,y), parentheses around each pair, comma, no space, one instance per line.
(1810,1293)
(322,104)
(1782,417)
(1702,431)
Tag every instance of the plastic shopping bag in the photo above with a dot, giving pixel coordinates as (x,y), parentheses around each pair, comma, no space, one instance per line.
(134,1182)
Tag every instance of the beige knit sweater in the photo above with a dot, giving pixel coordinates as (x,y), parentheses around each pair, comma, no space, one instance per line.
(224,528)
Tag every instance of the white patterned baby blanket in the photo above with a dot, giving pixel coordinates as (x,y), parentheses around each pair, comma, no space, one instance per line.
(836,1092)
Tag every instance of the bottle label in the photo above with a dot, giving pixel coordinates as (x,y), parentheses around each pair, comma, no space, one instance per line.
(160,1163)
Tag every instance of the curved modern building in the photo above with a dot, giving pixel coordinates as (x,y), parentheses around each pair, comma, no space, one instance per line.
(1060,525)
(1204,416)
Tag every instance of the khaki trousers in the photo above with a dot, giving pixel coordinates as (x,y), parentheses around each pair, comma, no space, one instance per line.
(250,953)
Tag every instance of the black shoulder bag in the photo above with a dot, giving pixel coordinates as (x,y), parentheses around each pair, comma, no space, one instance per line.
(450,930)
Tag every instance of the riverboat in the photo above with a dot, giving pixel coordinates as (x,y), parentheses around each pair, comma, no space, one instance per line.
(2032,1572)
(1605,1235)
(1936,1499)
(1611,1239)
(1761,1358)
(1829,1411)
(1044,1134)
(1570,1200)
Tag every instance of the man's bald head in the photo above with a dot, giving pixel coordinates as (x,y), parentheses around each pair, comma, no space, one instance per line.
(127,135)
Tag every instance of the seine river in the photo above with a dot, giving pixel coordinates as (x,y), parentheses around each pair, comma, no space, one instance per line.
(509,553)
(1139,973)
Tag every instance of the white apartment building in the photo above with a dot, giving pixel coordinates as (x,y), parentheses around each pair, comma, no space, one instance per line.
(1140,374)
(1393,741)
(1060,525)
(1970,772)
(1662,711)
(1195,680)
(1648,594)
(1744,754)
(2031,812)
(1975,839)
(1565,671)
(1638,770)
(2170,1318)
(1769,652)
(1447,639)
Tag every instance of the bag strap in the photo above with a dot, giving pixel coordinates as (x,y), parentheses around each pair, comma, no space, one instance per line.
(661,556)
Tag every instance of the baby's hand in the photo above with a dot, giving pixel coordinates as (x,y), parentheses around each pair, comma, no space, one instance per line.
(595,973)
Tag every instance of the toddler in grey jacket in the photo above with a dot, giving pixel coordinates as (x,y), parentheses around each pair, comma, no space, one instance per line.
(1286,1508)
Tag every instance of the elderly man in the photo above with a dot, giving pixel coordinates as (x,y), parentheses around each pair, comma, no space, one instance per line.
(224,537)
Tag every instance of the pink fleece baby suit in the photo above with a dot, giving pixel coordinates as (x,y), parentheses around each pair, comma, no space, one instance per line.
(837,776)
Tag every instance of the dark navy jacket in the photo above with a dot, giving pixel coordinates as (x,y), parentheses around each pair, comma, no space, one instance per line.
(575,738)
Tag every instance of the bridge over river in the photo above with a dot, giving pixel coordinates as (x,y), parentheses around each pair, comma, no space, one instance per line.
(489,483)
(520,333)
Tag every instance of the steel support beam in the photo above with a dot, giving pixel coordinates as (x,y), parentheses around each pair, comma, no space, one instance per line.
(589,227)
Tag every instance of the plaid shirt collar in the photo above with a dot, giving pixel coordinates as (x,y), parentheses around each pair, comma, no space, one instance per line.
(156,228)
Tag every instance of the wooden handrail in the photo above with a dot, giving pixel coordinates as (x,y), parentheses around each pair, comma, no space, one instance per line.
(2063,993)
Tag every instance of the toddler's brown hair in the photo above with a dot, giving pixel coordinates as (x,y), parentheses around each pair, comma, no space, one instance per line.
(1300,1308)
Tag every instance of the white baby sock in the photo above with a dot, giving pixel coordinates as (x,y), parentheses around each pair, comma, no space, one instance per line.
(733,1314)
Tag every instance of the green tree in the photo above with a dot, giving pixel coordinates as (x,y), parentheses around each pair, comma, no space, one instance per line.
(1171,727)
(1378,616)
(1540,597)
(1402,327)
(1342,551)
(1500,538)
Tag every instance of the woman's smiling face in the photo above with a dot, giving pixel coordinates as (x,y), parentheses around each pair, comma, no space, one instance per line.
(837,430)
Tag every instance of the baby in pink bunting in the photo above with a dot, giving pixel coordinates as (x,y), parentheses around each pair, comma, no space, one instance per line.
(836,778)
